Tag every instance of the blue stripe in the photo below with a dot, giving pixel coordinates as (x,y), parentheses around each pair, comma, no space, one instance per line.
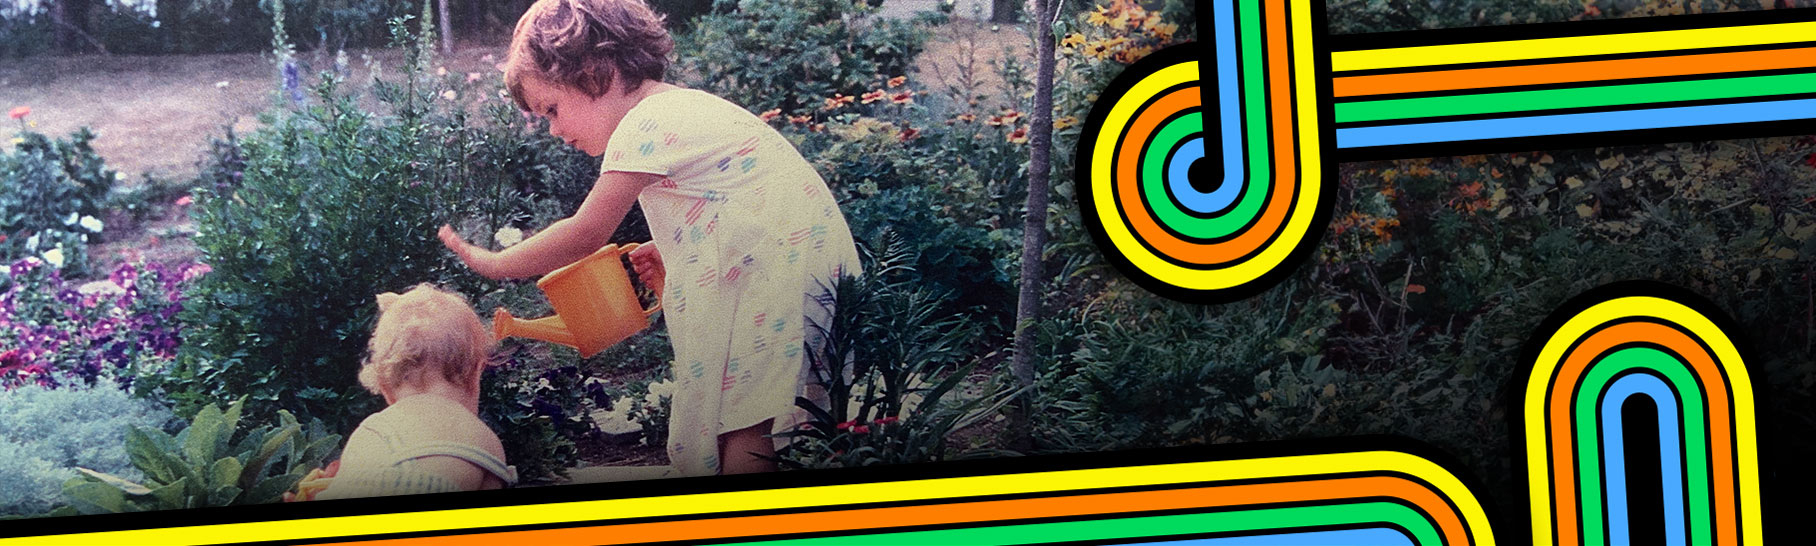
(1229,104)
(1564,124)
(1670,453)
(1374,536)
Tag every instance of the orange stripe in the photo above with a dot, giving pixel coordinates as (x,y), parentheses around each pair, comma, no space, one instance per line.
(1422,497)
(1589,71)
(1563,446)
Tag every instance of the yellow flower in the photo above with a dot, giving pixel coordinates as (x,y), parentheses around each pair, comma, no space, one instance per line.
(874,96)
(897,81)
(1019,136)
(1072,40)
(1163,31)
(1099,16)
(1065,122)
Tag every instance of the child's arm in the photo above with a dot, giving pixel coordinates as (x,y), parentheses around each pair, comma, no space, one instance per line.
(563,242)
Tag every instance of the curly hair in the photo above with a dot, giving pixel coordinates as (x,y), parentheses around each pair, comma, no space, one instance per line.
(587,45)
(426,330)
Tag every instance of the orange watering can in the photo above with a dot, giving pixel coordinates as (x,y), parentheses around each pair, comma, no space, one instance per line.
(595,306)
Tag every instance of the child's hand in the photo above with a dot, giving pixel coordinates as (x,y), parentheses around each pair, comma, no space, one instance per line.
(481,260)
(648,263)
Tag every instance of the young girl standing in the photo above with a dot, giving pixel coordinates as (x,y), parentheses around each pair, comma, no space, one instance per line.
(746,235)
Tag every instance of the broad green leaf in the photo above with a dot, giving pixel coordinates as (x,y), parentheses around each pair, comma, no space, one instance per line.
(224,471)
(203,434)
(223,495)
(123,484)
(95,498)
(256,465)
(144,453)
(171,496)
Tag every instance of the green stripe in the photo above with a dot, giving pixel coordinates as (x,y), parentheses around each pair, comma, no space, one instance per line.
(1608,95)
(1154,180)
(1151,527)
(1692,414)
(1254,100)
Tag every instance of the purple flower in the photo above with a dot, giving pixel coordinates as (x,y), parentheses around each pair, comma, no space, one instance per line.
(293,81)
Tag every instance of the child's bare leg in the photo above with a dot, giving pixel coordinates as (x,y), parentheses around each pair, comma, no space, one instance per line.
(743,451)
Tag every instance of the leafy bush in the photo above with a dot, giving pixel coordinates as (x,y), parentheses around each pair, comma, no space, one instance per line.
(59,333)
(203,465)
(764,54)
(328,204)
(885,346)
(44,433)
(51,192)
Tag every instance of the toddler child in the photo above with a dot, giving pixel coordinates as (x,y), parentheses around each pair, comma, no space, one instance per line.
(426,357)
(746,235)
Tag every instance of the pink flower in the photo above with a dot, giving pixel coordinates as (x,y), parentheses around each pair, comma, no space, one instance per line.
(887,420)
(860,429)
(20,112)
(185,201)
(847,425)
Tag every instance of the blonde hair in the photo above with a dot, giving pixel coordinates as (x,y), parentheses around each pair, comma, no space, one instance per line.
(426,330)
(587,45)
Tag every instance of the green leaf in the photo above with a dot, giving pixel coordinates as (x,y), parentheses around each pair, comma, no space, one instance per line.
(123,484)
(95,498)
(225,471)
(272,489)
(203,434)
(170,497)
(256,465)
(223,495)
(144,453)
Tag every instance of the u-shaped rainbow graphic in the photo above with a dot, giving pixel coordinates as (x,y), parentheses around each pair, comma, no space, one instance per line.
(1638,346)
(1207,170)
(1212,201)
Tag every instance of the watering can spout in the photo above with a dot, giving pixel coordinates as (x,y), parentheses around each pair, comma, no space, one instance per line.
(595,306)
(549,329)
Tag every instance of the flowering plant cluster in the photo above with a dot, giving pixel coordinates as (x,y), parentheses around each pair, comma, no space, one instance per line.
(1121,31)
(51,195)
(649,411)
(59,333)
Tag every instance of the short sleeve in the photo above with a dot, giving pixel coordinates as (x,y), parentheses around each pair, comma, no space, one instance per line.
(658,136)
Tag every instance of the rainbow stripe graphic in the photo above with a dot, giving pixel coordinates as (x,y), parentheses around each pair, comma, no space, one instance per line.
(1375,497)
(1210,198)
(1589,79)
(1207,169)
(1635,364)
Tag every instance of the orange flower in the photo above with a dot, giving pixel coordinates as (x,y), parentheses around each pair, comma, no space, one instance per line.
(1163,31)
(897,81)
(1011,116)
(21,112)
(1099,16)
(1065,122)
(904,97)
(909,133)
(874,96)
(994,121)
(766,116)
(1019,136)
(799,120)
(966,117)
(837,101)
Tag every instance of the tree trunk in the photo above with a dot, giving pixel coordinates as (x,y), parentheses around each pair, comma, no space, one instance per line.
(447,30)
(1003,11)
(72,20)
(1034,228)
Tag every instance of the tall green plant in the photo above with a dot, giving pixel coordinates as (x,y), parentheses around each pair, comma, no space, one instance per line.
(791,54)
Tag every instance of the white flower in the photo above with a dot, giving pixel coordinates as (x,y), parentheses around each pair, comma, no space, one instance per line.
(119,176)
(31,243)
(101,288)
(221,84)
(91,224)
(508,236)
(449,95)
(543,383)
(55,257)
(71,220)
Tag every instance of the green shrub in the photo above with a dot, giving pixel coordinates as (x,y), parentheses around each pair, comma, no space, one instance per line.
(203,465)
(891,368)
(45,433)
(51,194)
(791,54)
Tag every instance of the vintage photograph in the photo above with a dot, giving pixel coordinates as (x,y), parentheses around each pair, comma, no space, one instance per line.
(270,251)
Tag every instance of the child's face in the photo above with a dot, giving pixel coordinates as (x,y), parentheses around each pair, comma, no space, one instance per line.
(583,121)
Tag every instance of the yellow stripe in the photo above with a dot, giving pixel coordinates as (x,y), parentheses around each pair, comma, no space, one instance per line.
(1538,389)
(1311,171)
(1547,48)
(1446,484)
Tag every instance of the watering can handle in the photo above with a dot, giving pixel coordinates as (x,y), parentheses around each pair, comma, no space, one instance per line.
(626,250)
